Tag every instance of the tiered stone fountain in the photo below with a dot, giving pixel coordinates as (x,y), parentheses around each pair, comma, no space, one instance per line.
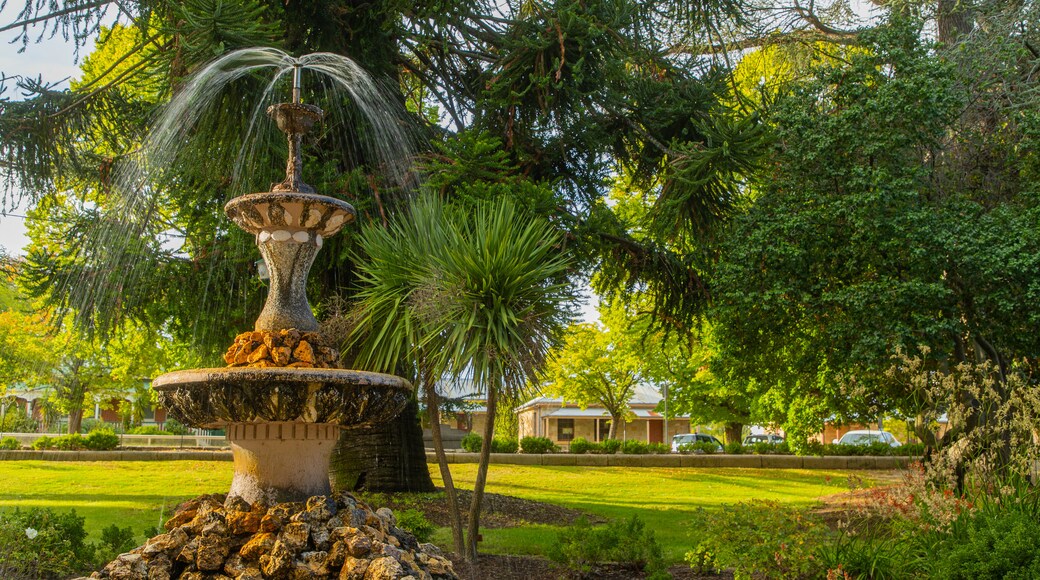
(282,405)
(283,418)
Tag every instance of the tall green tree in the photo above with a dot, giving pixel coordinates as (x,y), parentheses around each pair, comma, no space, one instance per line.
(599,364)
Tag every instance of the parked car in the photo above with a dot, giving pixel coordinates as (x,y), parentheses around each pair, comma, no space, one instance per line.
(770,439)
(691,438)
(868,437)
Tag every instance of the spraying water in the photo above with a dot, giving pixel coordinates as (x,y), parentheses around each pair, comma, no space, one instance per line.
(119,249)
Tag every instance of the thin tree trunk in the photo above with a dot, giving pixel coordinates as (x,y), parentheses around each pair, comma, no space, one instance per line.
(481,480)
(454,512)
(612,433)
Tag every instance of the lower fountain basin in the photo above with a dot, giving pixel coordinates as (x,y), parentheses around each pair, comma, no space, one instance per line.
(213,398)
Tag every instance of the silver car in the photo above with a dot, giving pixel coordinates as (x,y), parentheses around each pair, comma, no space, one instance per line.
(690,438)
(868,437)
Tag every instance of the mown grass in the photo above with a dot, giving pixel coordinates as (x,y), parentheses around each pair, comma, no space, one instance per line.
(137,494)
(664,498)
(140,494)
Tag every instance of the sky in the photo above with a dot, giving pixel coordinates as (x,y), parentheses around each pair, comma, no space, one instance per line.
(52,59)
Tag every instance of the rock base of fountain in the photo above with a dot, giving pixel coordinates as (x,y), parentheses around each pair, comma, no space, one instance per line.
(327,537)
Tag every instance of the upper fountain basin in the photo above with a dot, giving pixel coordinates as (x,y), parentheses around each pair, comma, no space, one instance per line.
(218,396)
(290,212)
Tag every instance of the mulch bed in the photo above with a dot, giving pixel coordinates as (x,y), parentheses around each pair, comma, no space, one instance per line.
(497,511)
(534,568)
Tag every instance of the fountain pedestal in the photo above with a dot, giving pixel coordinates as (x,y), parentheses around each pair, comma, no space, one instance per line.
(281,461)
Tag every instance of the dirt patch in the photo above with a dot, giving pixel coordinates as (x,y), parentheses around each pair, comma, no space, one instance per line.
(497,511)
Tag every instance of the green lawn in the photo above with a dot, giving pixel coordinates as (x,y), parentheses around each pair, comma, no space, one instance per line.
(126,493)
(136,494)
(661,497)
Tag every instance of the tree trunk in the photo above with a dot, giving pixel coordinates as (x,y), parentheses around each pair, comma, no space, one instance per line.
(75,417)
(481,479)
(954,19)
(390,457)
(734,432)
(454,511)
(614,419)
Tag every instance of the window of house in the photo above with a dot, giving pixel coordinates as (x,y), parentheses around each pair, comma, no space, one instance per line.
(564,429)
(604,429)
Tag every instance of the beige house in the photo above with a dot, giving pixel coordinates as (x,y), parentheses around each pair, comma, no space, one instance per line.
(562,422)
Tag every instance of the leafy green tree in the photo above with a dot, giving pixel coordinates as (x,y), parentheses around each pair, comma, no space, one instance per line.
(598,364)
(896,213)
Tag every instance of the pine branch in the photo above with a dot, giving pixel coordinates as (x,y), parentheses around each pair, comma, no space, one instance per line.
(60,13)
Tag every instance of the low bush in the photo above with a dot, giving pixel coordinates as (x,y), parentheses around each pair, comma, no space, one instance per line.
(69,442)
(734,448)
(114,541)
(610,446)
(633,447)
(658,448)
(770,448)
(471,442)
(88,425)
(16,420)
(581,445)
(504,445)
(39,543)
(537,445)
(699,447)
(101,440)
(582,546)
(759,539)
(414,521)
(174,427)
(147,430)
(44,442)
(9,443)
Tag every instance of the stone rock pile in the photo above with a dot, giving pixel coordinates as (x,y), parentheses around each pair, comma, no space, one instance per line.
(285,348)
(328,537)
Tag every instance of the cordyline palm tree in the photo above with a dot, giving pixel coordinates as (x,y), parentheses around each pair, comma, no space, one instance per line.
(480,292)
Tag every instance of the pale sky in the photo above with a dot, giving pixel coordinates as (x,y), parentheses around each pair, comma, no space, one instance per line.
(53,59)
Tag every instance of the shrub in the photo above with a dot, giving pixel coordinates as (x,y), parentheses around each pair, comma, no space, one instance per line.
(580,445)
(1000,539)
(610,446)
(699,447)
(760,539)
(734,448)
(414,521)
(471,442)
(582,546)
(101,440)
(174,427)
(92,424)
(39,543)
(537,445)
(115,541)
(44,442)
(658,448)
(147,430)
(16,420)
(770,449)
(633,447)
(69,442)
(9,443)
(504,445)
